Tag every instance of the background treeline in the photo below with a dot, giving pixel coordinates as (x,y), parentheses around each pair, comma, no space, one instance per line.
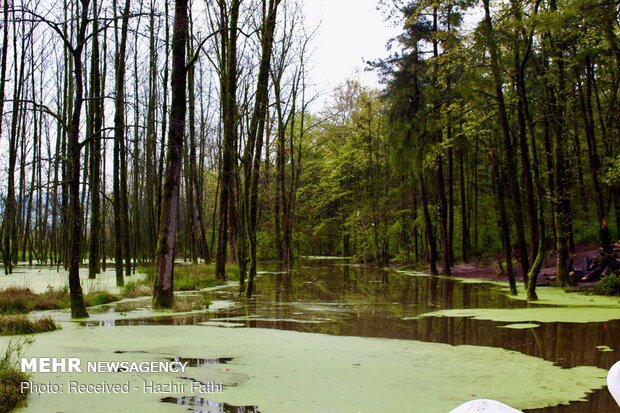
(498,131)
(140,132)
(507,130)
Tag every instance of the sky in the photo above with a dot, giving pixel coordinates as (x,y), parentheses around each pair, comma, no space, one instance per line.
(350,32)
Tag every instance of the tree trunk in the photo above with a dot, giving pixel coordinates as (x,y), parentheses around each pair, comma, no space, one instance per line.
(498,183)
(432,245)
(562,206)
(96,118)
(228,83)
(256,134)
(511,166)
(119,152)
(163,293)
(78,309)
(593,157)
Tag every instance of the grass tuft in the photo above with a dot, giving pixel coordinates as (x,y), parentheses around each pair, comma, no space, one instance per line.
(135,289)
(20,324)
(16,300)
(22,300)
(95,298)
(185,304)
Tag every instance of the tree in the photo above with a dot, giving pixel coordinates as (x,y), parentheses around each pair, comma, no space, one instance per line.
(163,293)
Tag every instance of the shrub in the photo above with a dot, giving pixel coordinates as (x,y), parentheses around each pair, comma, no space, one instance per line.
(16,300)
(135,289)
(609,285)
(20,324)
(95,298)
(52,299)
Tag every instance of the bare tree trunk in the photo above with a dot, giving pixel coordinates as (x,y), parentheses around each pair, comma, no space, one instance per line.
(256,134)
(228,81)
(96,122)
(10,210)
(163,291)
(163,123)
(78,309)
(151,147)
(119,152)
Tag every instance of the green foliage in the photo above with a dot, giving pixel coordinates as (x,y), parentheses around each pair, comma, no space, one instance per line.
(609,285)
(611,175)
(95,298)
(150,274)
(193,277)
(20,324)
(135,289)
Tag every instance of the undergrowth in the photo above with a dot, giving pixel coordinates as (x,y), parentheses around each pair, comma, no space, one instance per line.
(21,324)
(11,377)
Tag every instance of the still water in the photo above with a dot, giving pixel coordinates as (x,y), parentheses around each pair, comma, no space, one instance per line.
(337,297)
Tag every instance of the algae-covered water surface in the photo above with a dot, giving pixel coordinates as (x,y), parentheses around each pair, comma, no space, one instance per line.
(331,336)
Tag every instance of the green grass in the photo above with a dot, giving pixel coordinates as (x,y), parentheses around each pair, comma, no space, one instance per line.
(15,300)
(191,303)
(11,378)
(193,277)
(21,324)
(95,298)
(135,289)
(23,300)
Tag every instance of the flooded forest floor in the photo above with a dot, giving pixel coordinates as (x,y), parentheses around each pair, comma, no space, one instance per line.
(336,336)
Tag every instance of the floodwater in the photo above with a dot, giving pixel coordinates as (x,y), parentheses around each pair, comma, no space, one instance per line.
(336,297)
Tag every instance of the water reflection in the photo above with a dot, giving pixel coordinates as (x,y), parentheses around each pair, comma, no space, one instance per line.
(200,405)
(201,362)
(598,402)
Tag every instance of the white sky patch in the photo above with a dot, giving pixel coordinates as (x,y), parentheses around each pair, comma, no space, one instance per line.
(350,32)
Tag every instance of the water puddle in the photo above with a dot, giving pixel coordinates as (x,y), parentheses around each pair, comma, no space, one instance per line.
(201,362)
(202,405)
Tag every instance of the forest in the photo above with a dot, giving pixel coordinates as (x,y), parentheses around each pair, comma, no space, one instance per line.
(459,218)
(144,132)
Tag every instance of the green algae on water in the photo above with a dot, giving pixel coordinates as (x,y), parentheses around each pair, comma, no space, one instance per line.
(536,315)
(558,297)
(282,371)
